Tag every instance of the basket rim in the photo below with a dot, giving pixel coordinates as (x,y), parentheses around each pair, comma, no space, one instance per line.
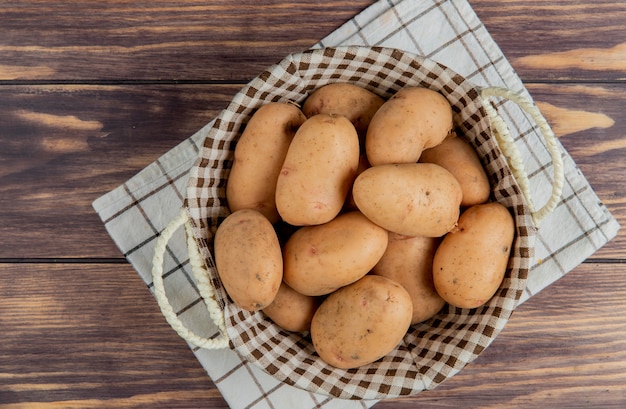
(215,152)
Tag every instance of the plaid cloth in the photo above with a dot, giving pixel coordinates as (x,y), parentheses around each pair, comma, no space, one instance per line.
(445,31)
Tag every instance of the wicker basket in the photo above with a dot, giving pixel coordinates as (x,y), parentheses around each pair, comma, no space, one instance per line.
(431,351)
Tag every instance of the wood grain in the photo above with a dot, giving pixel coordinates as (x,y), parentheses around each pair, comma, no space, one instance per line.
(191,40)
(66,145)
(560,40)
(92,92)
(101,342)
(160,40)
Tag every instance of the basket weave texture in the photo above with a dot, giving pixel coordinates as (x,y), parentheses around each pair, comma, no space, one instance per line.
(431,351)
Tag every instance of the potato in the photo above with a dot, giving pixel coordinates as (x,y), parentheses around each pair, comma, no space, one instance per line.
(458,157)
(318,171)
(412,120)
(409,262)
(291,310)
(320,259)
(248,259)
(259,156)
(412,199)
(362,322)
(352,101)
(470,263)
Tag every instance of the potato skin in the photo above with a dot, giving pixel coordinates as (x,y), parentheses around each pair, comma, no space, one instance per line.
(248,259)
(360,323)
(319,259)
(459,158)
(352,101)
(259,156)
(412,120)
(291,310)
(318,170)
(412,199)
(470,263)
(409,262)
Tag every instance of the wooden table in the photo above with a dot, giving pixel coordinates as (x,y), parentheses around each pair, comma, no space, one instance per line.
(92,92)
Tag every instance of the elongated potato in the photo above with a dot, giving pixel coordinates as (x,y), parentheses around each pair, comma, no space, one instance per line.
(352,101)
(259,156)
(412,120)
(319,168)
(320,259)
(409,262)
(291,310)
(458,157)
(362,322)
(470,263)
(412,199)
(248,258)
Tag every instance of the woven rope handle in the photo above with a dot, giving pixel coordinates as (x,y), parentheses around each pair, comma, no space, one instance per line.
(202,280)
(507,145)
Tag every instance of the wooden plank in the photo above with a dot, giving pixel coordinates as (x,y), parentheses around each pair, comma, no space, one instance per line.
(68,342)
(77,336)
(64,146)
(219,40)
(559,40)
(160,40)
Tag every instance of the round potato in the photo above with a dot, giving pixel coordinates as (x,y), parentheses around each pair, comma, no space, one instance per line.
(320,259)
(259,156)
(362,322)
(248,258)
(409,262)
(412,120)
(352,101)
(318,170)
(412,199)
(470,263)
(457,156)
(291,310)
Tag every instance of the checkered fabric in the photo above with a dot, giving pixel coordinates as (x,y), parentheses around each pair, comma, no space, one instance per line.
(446,31)
(431,351)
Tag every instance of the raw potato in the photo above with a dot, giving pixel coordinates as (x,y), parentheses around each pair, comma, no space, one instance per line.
(248,259)
(412,199)
(320,259)
(362,322)
(471,261)
(318,171)
(352,101)
(409,262)
(259,156)
(412,120)
(458,157)
(291,310)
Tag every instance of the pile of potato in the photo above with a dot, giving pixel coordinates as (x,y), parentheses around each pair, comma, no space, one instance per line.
(355,217)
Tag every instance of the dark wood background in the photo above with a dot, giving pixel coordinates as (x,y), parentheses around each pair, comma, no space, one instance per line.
(92,92)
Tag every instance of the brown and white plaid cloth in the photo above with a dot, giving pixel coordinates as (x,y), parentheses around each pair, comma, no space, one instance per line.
(448,32)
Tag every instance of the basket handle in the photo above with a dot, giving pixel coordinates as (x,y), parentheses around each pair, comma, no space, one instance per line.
(204,286)
(514,159)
